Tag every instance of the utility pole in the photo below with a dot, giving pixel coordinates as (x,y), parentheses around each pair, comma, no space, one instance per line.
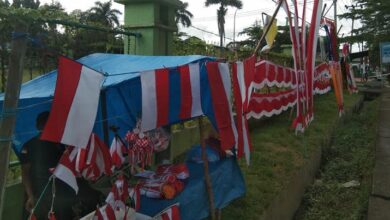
(353,21)
(335,13)
(234,34)
(10,104)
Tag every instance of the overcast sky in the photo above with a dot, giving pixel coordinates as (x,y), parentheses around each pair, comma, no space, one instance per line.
(205,17)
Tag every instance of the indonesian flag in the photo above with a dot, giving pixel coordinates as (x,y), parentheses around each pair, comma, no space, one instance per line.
(116,151)
(159,101)
(220,89)
(65,169)
(135,195)
(98,159)
(241,72)
(75,104)
(105,213)
(171,213)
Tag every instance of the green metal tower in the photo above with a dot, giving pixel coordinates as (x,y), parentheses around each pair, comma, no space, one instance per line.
(155,20)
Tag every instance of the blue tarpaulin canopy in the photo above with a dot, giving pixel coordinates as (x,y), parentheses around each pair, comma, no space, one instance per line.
(120,105)
(121,91)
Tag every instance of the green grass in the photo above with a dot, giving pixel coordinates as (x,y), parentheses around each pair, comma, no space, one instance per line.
(278,152)
(350,157)
(14,173)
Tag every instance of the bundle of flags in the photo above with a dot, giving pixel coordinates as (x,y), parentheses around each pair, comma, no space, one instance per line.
(120,202)
(334,65)
(166,182)
(90,162)
(304,51)
(352,88)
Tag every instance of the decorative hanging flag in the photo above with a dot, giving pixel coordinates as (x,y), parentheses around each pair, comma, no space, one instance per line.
(271,34)
(243,73)
(190,91)
(157,88)
(105,213)
(65,169)
(75,104)
(170,213)
(98,160)
(119,194)
(135,196)
(220,88)
(311,55)
(117,150)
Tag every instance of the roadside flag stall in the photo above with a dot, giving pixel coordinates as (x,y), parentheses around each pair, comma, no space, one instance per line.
(137,92)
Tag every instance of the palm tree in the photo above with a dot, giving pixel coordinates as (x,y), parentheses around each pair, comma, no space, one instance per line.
(183,15)
(221,12)
(104,14)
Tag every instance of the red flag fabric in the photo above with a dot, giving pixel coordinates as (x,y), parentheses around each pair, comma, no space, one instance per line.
(242,92)
(220,88)
(170,213)
(75,104)
(117,150)
(65,169)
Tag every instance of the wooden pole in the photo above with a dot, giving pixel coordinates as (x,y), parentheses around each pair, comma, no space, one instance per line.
(10,104)
(206,170)
(268,27)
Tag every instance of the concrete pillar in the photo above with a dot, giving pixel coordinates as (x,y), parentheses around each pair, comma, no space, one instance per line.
(155,20)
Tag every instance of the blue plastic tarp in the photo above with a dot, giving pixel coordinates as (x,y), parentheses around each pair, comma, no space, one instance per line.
(121,89)
(227,184)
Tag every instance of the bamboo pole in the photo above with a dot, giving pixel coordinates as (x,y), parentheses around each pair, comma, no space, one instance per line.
(268,27)
(206,170)
(10,104)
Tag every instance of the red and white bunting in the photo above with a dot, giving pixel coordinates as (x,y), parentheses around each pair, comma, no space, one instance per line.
(268,105)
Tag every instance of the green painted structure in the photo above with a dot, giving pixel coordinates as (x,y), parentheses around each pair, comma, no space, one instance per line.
(155,21)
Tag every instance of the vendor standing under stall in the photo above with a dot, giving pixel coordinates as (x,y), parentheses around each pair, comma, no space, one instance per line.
(37,157)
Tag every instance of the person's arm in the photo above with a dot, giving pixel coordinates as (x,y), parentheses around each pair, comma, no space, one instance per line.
(26,180)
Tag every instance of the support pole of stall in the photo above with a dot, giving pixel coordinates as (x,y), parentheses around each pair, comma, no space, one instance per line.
(206,170)
(10,104)
(268,27)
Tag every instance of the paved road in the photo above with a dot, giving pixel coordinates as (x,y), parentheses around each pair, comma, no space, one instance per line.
(379,202)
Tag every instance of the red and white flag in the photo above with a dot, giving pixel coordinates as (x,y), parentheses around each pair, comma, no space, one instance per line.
(155,99)
(155,86)
(117,149)
(105,213)
(220,89)
(190,91)
(65,169)
(170,213)
(242,74)
(98,159)
(75,104)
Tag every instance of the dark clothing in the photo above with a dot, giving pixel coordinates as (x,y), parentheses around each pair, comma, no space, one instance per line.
(42,156)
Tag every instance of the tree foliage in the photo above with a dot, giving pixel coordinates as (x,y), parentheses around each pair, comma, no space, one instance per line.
(183,16)
(221,13)
(374,15)
(52,31)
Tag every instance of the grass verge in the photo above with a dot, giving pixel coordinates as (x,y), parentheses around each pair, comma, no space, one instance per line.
(350,157)
(278,152)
